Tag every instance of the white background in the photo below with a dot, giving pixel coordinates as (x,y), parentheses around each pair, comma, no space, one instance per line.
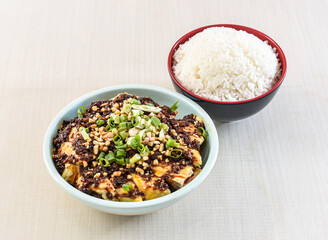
(271,177)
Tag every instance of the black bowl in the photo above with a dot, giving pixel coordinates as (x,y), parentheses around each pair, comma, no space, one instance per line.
(230,111)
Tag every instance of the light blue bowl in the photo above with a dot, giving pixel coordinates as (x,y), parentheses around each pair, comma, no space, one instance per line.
(162,96)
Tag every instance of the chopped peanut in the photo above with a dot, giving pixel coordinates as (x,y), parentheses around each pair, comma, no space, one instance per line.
(94,108)
(96,149)
(116,174)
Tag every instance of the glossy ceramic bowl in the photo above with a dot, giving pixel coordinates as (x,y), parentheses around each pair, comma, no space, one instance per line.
(163,96)
(230,111)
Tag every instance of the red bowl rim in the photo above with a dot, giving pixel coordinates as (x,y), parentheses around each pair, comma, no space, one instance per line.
(260,35)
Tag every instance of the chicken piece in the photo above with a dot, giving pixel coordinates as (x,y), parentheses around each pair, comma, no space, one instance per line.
(193,134)
(122,194)
(177,180)
(196,172)
(129,199)
(73,134)
(161,170)
(148,187)
(188,129)
(67,148)
(195,155)
(105,186)
(71,173)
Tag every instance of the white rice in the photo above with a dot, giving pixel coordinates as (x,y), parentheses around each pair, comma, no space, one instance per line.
(224,64)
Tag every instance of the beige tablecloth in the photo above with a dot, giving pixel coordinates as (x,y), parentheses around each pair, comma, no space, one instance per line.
(271,177)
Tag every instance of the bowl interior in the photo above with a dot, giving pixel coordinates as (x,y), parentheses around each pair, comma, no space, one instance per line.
(160,95)
(260,35)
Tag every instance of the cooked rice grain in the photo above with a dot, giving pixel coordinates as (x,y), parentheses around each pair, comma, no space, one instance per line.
(224,64)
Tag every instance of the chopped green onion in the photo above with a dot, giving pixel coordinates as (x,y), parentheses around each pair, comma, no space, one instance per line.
(123,125)
(147,108)
(162,135)
(123,118)
(120,161)
(127,108)
(141,148)
(100,122)
(80,111)
(122,146)
(137,113)
(124,134)
(135,101)
(203,132)
(145,152)
(110,156)
(147,123)
(141,123)
(142,133)
(111,122)
(155,121)
(107,128)
(146,118)
(152,128)
(135,142)
(114,131)
(117,139)
(119,143)
(175,106)
(84,133)
(120,153)
(104,162)
(127,187)
(133,132)
(129,124)
(177,153)
(128,141)
(135,158)
(134,121)
(117,119)
(101,155)
(149,104)
(171,143)
(164,127)
(140,126)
